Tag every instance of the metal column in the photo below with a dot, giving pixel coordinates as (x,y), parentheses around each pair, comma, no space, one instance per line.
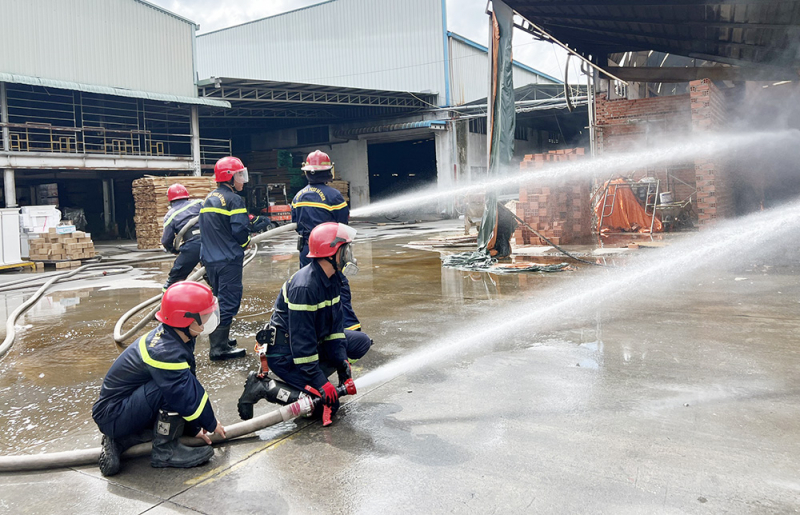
(195,141)
(9,183)
(107,204)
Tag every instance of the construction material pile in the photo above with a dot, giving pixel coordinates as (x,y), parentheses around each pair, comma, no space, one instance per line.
(562,211)
(66,248)
(150,196)
(343,187)
(274,167)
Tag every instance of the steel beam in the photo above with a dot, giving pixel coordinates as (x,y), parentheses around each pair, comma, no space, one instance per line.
(716,73)
(48,161)
(271,95)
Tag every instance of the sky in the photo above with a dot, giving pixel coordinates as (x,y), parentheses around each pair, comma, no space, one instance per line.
(465,17)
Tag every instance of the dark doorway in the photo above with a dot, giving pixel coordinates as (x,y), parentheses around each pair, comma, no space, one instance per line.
(400,166)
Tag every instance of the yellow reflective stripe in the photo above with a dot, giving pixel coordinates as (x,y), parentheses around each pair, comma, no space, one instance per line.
(184,208)
(308,359)
(309,307)
(246,243)
(320,205)
(155,363)
(223,211)
(351,360)
(199,409)
(334,336)
(353,327)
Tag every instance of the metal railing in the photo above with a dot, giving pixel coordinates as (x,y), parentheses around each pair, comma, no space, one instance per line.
(44,137)
(211,150)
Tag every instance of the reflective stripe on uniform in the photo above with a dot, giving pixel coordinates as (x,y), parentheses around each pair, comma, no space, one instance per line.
(353,327)
(308,307)
(246,243)
(155,363)
(334,336)
(184,208)
(223,211)
(307,359)
(320,205)
(199,409)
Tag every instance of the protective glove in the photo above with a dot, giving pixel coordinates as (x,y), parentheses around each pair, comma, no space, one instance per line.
(258,223)
(345,372)
(328,394)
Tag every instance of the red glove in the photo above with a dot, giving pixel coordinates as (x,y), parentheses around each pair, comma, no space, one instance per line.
(329,394)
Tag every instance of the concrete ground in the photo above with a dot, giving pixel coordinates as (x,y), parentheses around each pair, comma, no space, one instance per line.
(682,399)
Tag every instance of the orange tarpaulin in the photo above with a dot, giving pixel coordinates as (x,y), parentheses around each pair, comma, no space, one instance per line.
(627,215)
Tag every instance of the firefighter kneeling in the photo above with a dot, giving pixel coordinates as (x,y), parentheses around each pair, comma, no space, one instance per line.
(305,340)
(153,384)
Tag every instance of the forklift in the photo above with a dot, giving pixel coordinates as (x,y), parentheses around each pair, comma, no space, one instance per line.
(278,207)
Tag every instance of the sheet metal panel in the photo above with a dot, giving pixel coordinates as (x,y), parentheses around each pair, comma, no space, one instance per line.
(371,44)
(115,43)
(469,66)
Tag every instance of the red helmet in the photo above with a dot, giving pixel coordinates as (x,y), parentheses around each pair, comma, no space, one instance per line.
(184,302)
(227,167)
(326,239)
(177,192)
(317,161)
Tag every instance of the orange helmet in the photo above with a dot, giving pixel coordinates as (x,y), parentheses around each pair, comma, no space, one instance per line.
(177,192)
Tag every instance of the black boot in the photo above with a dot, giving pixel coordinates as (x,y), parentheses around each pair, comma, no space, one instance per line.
(112,449)
(220,347)
(168,451)
(255,389)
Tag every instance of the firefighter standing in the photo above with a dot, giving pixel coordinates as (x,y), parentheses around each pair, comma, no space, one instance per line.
(316,204)
(305,338)
(182,210)
(153,384)
(225,232)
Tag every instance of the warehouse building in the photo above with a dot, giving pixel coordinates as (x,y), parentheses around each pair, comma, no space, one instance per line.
(94,94)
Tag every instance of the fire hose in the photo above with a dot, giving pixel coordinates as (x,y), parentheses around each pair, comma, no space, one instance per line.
(76,458)
(121,337)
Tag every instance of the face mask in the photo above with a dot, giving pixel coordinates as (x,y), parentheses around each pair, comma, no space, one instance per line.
(211,323)
(348,263)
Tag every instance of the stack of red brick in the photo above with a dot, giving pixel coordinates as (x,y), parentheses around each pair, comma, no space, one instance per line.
(559,211)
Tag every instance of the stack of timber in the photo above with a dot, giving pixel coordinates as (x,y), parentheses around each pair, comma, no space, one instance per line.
(150,196)
(343,187)
(65,249)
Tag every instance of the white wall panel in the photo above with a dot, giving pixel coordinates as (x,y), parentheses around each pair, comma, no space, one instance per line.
(119,43)
(373,44)
(470,73)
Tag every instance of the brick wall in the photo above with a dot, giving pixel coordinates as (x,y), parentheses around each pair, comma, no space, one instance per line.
(559,211)
(714,182)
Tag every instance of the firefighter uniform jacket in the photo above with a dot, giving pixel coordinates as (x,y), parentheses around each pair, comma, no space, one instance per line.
(308,309)
(316,204)
(160,356)
(224,227)
(176,218)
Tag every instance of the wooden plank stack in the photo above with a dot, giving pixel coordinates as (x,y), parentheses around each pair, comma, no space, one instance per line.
(67,249)
(343,187)
(150,197)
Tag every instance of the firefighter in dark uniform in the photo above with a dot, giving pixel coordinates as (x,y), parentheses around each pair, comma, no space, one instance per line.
(152,384)
(224,234)
(182,210)
(305,340)
(316,204)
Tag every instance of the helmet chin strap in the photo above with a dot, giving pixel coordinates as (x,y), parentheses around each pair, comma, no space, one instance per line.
(185,330)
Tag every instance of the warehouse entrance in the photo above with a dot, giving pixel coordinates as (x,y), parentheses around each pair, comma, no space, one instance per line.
(400,166)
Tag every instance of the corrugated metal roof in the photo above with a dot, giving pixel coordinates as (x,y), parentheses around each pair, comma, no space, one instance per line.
(727,31)
(106,90)
(167,11)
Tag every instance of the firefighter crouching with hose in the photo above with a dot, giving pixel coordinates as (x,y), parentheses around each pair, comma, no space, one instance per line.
(153,384)
(304,341)
(181,212)
(225,233)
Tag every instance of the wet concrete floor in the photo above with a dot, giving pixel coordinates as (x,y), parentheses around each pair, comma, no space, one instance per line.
(677,401)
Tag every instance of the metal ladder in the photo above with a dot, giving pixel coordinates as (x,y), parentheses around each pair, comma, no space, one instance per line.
(606,204)
(654,188)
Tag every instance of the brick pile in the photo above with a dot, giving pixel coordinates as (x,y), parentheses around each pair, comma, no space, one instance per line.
(713,180)
(67,249)
(559,211)
(150,197)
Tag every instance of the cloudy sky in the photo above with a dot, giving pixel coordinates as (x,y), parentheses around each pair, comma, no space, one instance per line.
(465,17)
